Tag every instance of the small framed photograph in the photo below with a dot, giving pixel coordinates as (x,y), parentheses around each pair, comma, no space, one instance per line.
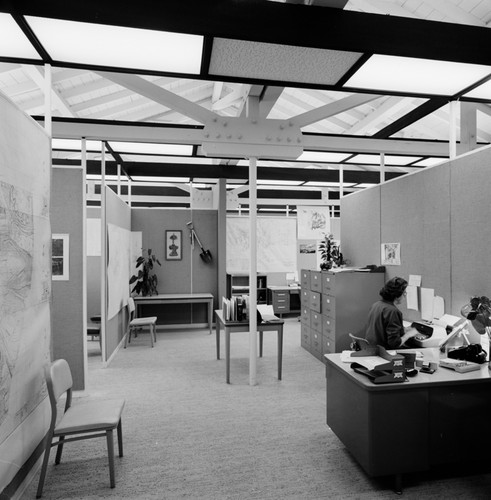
(60,262)
(173,245)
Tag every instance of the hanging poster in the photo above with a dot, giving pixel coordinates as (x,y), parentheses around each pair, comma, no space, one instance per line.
(313,222)
(391,254)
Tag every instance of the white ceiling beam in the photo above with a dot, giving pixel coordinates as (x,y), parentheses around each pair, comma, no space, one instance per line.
(455,13)
(171,135)
(160,95)
(37,75)
(332,109)
(382,7)
(379,115)
(217,91)
(229,100)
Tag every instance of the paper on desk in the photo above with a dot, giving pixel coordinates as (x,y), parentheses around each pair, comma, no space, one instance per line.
(267,312)
(412,297)
(448,319)
(438,307)
(369,362)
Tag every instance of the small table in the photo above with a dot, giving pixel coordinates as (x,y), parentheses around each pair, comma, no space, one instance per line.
(179,298)
(243,326)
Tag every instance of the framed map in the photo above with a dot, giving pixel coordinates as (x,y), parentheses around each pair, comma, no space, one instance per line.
(60,260)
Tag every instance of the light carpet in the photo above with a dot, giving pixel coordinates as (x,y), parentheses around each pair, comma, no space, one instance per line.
(189,435)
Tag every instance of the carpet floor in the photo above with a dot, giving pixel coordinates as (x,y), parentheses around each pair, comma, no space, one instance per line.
(189,435)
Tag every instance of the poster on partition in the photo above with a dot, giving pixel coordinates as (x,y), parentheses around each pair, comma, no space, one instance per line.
(313,222)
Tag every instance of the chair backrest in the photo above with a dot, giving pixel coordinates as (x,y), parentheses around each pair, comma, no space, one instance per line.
(58,381)
(131,307)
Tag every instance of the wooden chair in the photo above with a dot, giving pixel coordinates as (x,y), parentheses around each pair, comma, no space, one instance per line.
(85,420)
(137,323)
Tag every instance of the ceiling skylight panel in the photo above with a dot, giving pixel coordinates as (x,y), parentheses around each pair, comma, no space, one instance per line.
(13,42)
(116,46)
(152,148)
(481,92)
(321,156)
(416,76)
(388,159)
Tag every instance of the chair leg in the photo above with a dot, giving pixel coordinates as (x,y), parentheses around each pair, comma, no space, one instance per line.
(151,335)
(59,449)
(44,467)
(120,438)
(110,453)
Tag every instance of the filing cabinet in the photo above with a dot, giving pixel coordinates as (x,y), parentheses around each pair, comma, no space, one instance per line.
(334,304)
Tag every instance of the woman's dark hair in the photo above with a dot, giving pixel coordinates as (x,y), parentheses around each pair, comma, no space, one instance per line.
(393,289)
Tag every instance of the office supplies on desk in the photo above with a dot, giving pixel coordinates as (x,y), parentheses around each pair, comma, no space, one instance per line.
(430,334)
(459,365)
(379,366)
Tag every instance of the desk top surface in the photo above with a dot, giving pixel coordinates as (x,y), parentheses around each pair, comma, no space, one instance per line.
(442,376)
(284,288)
(219,313)
(175,296)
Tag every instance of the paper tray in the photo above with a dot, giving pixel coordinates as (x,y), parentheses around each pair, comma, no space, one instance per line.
(380,376)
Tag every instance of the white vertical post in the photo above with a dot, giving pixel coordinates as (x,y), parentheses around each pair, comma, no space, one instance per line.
(103,255)
(253,271)
(382,168)
(129,192)
(47,99)
(341,181)
(119,179)
(84,254)
(452,133)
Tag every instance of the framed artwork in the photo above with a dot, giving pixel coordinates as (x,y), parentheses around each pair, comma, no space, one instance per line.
(391,254)
(60,257)
(173,245)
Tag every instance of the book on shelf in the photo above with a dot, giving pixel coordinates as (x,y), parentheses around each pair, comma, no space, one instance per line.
(236,308)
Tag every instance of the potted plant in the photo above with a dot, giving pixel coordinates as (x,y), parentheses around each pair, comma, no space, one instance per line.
(330,254)
(146,280)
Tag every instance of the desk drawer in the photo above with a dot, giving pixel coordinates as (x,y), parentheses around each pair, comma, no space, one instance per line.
(315,301)
(316,321)
(281,300)
(316,342)
(328,325)
(305,316)
(328,305)
(328,282)
(316,281)
(305,278)
(305,297)
(328,344)
(305,335)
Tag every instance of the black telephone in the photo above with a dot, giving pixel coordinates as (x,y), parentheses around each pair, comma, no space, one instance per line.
(472,352)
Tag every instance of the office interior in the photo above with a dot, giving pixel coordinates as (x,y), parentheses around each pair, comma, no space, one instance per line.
(278,111)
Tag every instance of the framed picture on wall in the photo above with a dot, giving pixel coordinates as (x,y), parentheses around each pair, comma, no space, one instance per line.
(173,245)
(60,253)
(391,254)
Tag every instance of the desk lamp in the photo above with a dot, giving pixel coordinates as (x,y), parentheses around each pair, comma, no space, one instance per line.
(478,312)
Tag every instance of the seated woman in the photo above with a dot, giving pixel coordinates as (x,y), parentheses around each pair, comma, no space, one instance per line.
(384,324)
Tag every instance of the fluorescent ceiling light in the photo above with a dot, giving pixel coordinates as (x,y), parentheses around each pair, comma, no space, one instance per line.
(388,159)
(13,42)
(152,148)
(278,183)
(118,47)
(160,179)
(419,76)
(429,162)
(328,184)
(107,178)
(365,185)
(481,92)
(322,156)
(75,144)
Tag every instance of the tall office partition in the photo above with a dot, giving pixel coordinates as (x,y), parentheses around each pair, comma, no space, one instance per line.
(25,288)
(440,218)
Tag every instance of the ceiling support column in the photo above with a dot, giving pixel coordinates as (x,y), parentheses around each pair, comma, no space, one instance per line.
(47,100)
(382,168)
(452,132)
(468,126)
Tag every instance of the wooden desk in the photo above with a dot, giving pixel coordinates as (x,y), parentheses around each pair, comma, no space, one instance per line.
(179,298)
(397,428)
(284,299)
(243,326)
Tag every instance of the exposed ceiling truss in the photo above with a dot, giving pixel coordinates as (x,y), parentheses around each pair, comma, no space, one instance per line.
(398,131)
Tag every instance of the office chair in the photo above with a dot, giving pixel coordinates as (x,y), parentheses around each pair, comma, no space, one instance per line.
(358,343)
(81,421)
(136,323)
